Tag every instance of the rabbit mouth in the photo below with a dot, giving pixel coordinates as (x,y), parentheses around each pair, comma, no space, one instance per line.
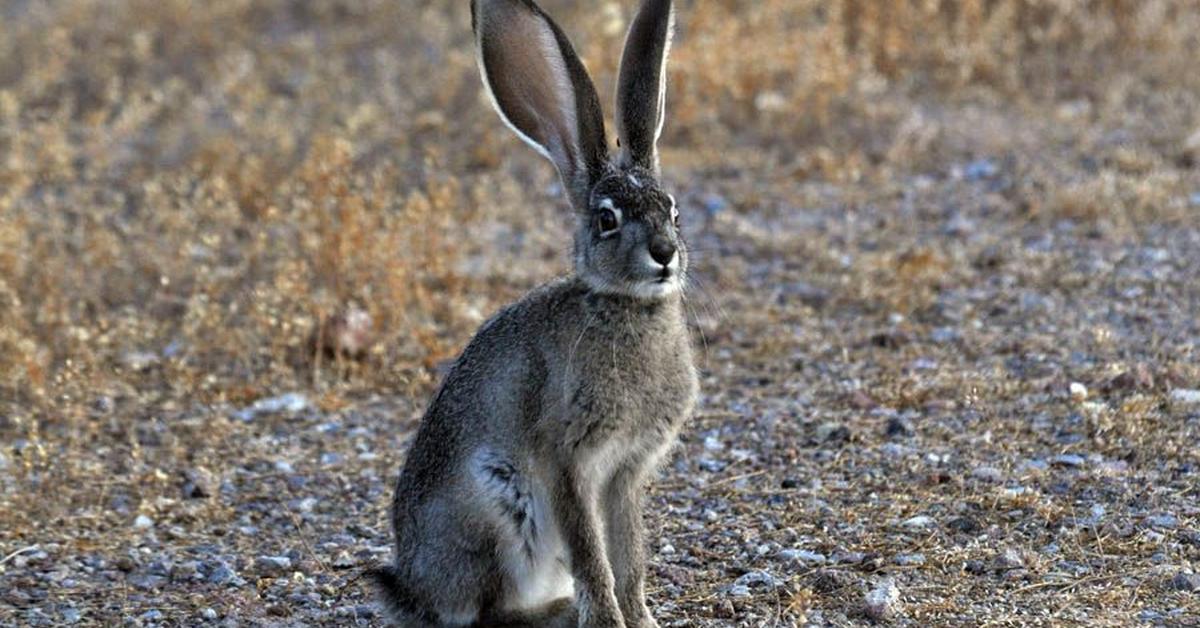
(657,281)
(661,286)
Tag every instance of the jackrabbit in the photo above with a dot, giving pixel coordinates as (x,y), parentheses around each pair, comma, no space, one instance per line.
(520,501)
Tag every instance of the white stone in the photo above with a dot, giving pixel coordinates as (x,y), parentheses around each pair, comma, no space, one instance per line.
(918,522)
(883,602)
(1184,398)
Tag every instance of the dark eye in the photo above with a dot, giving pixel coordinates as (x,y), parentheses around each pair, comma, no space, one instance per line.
(608,221)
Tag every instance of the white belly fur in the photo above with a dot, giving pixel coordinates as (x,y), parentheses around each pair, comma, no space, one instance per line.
(542,575)
(546,575)
(536,559)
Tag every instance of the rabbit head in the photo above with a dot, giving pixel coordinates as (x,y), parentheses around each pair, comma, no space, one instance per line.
(627,241)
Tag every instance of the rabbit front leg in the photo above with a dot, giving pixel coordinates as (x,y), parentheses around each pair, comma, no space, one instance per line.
(576,510)
(626,545)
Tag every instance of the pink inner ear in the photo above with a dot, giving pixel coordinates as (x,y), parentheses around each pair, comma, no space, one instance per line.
(529,82)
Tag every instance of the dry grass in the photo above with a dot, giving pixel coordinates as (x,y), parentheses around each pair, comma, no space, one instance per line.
(192,195)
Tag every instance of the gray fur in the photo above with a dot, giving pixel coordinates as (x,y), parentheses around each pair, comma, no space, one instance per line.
(641,84)
(523,57)
(520,501)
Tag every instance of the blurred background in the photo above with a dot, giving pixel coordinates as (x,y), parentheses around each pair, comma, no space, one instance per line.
(220,177)
(205,205)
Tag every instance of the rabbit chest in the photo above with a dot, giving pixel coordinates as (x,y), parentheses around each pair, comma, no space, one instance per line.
(628,386)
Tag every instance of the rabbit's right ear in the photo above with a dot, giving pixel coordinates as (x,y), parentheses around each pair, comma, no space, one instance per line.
(541,89)
(642,84)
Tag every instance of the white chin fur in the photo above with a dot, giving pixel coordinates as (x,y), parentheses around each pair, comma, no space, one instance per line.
(650,289)
(654,289)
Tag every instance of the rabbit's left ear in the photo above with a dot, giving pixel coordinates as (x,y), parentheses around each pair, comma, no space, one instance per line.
(642,84)
(541,89)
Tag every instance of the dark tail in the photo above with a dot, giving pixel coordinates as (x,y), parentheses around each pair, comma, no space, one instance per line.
(397,601)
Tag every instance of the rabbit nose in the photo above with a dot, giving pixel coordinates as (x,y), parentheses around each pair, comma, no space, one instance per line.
(662,250)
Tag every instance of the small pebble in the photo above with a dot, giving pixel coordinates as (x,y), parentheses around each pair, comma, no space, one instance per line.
(199,483)
(1185,582)
(142,522)
(1078,391)
(159,568)
(860,400)
(849,558)
(713,203)
(739,590)
(975,567)
(1138,377)
(360,611)
(909,560)
(272,566)
(147,582)
(288,402)
(343,560)
(757,579)
(833,433)
(1068,460)
(1162,521)
(139,360)
(898,426)
(943,335)
(980,169)
(918,522)
(221,574)
(830,580)
(923,364)
(965,525)
(883,602)
(1184,398)
(1010,558)
(803,556)
(988,474)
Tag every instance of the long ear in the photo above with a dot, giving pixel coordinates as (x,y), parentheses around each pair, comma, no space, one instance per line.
(541,89)
(642,84)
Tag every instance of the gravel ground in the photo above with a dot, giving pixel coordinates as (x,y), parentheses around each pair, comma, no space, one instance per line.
(952,378)
(1018,447)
